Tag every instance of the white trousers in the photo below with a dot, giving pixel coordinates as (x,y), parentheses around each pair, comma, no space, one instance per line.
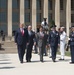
(62,49)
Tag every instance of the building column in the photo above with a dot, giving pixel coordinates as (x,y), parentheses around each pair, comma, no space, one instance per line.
(34,24)
(57,13)
(46,9)
(22,11)
(9,18)
(68,15)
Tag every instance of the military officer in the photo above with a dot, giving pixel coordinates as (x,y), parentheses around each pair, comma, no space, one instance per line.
(54,41)
(71,43)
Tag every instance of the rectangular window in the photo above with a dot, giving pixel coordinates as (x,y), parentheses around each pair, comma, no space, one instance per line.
(27,4)
(15,4)
(72,4)
(50,4)
(4,28)
(72,18)
(15,17)
(61,4)
(27,17)
(3,16)
(3,3)
(50,17)
(39,17)
(39,4)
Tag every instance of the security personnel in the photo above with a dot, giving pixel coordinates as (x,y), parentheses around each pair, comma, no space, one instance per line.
(54,41)
(72,44)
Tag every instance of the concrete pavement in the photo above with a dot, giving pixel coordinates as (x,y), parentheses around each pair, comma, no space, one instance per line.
(9,65)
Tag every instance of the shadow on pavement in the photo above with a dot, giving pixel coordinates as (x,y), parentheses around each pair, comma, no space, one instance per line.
(4,60)
(7,67)
(5,63)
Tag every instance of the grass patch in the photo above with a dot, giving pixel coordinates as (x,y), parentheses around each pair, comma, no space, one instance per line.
(67,53)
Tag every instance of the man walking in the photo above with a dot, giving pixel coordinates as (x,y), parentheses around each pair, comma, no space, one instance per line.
(54,41)
(21,37)
(31,36)
(62,42)
(71,43)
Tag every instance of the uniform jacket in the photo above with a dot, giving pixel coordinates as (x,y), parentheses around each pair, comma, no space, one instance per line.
(63,37)
(31,38)
(71,38)
(54,38)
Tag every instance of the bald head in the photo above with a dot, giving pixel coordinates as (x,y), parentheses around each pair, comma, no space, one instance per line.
(29,28)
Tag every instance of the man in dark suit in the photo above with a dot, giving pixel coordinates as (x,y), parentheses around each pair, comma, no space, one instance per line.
(30,43)
(21,37)
(54,41)
(71,43)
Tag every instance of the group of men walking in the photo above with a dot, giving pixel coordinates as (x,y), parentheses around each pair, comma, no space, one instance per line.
(25,38)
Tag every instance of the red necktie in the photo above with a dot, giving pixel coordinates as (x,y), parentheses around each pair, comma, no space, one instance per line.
(22,32)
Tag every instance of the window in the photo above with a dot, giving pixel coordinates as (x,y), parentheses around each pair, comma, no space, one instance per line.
(15,4)
(39,17)
(72,18)
(61,4)
(3,3)
(4,28)
(15,17)
(27,4)
(15,11)
(3,16)
(3,12)
(27,17)
(50,4)
(39,4)
(72,4)
(15,27)
(50,17)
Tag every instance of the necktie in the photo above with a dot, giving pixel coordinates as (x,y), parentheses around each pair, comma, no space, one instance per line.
(22,32)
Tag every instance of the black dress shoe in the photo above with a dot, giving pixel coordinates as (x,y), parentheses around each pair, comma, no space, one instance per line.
(41,60)
(21,62)
(61,59)
(71,62)
(53,60)
(28,60)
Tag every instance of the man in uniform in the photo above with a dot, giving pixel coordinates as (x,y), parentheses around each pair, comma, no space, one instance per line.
(54,41)
(71,43)
(62,42)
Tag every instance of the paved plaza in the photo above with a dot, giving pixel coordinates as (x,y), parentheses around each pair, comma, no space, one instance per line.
(10,65)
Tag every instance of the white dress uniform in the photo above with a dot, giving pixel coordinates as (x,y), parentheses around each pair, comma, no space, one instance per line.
(62,44)
(44,26)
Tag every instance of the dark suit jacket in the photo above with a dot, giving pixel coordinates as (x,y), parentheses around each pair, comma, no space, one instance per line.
(31,38)
(71,41)
(54,38)
(19,39)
